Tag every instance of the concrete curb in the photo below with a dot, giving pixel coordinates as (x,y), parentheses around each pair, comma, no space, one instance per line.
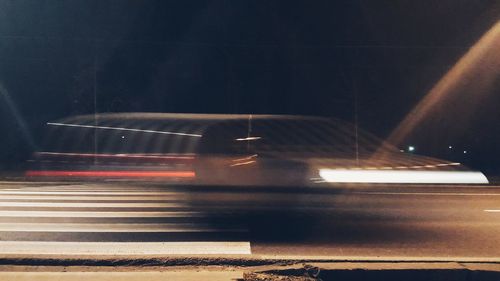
(277,270)
(380,271)
(233,260)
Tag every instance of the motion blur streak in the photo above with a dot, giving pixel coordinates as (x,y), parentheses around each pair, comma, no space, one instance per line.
(244,163)
(248,139)
(476,65)
(4,95)
(125,129)
(385,176)
(126,174)
(121,155)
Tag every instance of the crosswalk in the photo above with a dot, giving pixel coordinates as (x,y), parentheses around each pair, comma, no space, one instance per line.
(113,219)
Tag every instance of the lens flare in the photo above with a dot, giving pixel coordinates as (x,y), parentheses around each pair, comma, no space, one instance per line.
(473,74)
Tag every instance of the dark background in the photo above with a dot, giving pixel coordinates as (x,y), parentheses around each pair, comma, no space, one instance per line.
(67,57)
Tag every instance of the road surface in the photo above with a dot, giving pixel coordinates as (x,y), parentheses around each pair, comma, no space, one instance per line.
(456,223)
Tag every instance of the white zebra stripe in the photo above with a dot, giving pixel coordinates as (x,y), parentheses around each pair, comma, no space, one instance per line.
(66,214)
(110,227)
(125,248)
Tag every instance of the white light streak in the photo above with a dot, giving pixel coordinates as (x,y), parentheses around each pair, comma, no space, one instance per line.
(122,155)
(388,176)
(249,139)
(124,129)
(245,158)
(243,163)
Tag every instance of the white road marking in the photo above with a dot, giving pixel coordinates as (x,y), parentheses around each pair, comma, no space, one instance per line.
(115,227)
(428,193)
(492,211)
(66,214)
(125,248)
(84,193)
(29,182)
(98,191)
(91,205)
(107,186)
(91,198)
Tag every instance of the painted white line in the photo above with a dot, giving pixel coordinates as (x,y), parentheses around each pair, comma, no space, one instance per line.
(91,205)
(97,191)
(97,187)
(84,193)
(12,182)
(90,187)
(125,248)
(66,214)
(492,211)
(178,275)
(428,193)
(91,198)
(116,227)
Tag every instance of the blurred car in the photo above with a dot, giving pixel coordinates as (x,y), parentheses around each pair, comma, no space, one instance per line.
(231,150)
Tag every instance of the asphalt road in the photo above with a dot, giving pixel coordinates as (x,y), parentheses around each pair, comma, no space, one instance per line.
(336,222)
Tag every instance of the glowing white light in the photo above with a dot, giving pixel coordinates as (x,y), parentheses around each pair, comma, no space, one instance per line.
(450,147)
(391,176)
(243,163)
(411,148)
(248,139)
(465,151)
(246,158)
(124,129)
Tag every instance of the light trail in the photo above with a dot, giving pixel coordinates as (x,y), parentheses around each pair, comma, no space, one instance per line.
(391,176)
(243,163)
(249,139)
(104,155)
(125,174)
(124,129)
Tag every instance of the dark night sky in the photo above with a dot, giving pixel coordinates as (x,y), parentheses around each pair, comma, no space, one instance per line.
(282,57)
